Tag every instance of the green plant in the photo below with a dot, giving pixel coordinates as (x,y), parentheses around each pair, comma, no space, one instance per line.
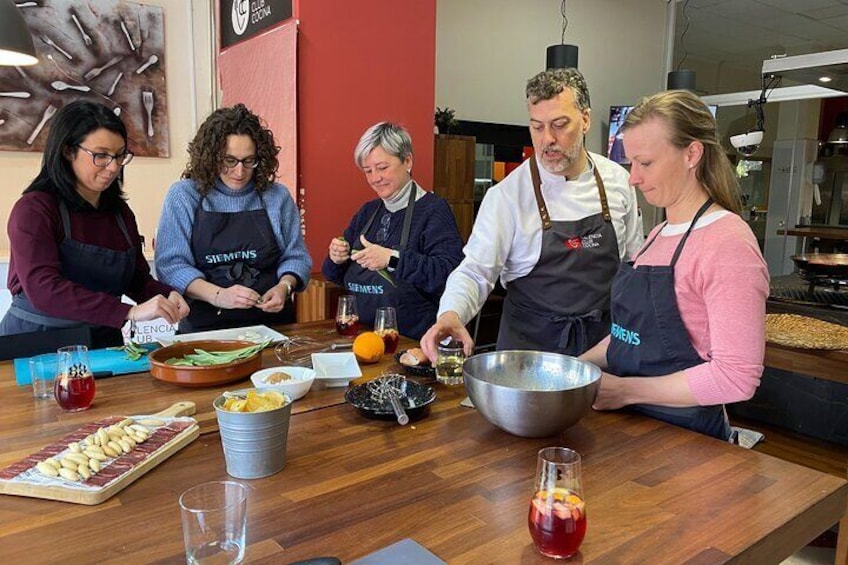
(445,119)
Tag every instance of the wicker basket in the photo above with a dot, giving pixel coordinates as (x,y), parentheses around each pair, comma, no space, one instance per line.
(803,332)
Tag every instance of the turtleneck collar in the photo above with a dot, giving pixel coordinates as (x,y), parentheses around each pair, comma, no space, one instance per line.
(249,188)
(400,199)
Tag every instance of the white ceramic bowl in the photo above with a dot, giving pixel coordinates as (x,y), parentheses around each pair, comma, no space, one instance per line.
(335,369)
(296,387)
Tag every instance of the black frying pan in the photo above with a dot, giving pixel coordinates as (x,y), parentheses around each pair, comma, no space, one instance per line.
(834,265)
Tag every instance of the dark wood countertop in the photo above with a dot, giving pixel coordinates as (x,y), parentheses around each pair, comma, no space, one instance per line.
(459,486)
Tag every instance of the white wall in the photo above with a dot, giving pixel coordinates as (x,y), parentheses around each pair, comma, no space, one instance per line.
(188,65)
(487,49)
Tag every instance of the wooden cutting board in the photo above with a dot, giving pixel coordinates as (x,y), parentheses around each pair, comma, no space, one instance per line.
(176,431)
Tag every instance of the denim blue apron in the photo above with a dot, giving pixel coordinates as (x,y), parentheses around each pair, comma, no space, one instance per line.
(649,339)
(562,304)
(372,290)
(233,248)
(98,269)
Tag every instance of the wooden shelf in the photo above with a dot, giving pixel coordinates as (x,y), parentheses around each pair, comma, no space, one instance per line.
(820,232)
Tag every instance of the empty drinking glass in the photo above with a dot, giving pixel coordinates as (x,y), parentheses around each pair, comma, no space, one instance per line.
(42,373)
(214,519)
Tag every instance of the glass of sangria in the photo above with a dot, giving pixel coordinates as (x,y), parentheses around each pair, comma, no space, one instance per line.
(74,384)
(557,517)
(385,326)
(347,316)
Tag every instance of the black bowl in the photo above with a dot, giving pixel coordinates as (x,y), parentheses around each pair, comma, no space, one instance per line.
(416,370)
(416,401)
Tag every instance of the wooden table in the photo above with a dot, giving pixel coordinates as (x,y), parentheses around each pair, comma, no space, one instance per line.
(457,485)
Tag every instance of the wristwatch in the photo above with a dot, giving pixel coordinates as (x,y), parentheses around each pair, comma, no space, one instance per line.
(393,261)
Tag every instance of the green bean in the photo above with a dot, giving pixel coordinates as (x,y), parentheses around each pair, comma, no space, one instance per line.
(203,358)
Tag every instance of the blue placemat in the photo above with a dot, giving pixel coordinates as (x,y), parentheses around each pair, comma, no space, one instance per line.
(102,361)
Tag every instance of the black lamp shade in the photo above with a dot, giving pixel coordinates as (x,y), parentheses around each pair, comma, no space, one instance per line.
(16,46)
(562,57)
(683,79)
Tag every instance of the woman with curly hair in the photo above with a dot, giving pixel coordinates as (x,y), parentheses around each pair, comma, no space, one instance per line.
(229,236)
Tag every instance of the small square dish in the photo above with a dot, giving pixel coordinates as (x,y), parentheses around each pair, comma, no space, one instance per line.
(335,369)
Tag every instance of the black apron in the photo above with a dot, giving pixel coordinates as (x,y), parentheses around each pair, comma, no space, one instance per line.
(562,304)
(233,248)
(371,289)
(648,337)
(96,268)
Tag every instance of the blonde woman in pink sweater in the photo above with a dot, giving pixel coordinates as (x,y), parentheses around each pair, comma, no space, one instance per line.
(688,312)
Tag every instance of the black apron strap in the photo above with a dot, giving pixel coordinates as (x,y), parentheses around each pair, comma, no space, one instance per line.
(66,223)
(407,217)
(21,308)
(602,191)
(680,245)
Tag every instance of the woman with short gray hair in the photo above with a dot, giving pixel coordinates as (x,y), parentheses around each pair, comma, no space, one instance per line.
(399,248)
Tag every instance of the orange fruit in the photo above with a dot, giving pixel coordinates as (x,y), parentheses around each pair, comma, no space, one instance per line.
(368,347)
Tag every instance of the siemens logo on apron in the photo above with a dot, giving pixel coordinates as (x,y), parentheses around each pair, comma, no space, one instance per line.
(227,257)
(625,335)
(365,288)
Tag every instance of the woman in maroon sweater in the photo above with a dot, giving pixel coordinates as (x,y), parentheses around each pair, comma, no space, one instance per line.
(75,247)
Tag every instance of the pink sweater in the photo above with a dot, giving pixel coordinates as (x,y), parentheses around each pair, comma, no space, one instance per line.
(722,283)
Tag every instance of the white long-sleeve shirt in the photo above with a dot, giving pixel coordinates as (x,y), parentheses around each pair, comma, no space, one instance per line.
(506,241)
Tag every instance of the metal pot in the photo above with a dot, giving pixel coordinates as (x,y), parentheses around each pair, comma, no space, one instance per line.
(830,265)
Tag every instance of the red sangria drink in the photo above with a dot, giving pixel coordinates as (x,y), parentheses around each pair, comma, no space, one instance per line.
(74,392)
(557,522)
(390,340)
(74,385)
(347,316)
(347,326)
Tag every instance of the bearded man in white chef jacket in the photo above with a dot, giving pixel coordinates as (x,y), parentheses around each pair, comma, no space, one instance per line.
(554,231)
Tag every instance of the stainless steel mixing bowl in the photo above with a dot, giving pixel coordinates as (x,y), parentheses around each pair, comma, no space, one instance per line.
(531,393)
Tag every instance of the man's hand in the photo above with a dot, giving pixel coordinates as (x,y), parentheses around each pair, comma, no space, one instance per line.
(448,324)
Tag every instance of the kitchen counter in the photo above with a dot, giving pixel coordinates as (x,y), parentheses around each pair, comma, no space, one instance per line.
(655,493)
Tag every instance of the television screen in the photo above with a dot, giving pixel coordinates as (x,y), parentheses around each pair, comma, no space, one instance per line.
(615,148)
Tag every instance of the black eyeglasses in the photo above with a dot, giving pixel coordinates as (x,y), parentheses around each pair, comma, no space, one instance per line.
(103,160)
(383,232)
(231,162)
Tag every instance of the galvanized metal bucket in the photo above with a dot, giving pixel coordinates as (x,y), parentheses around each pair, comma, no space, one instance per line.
(254,442)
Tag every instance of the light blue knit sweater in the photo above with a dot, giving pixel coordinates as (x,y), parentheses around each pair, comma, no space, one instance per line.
(174,258)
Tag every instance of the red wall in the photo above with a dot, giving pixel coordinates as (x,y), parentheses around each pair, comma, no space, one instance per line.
(359,63)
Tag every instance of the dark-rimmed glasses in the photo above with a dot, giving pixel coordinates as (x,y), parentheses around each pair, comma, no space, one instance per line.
(249,162)
(103,160)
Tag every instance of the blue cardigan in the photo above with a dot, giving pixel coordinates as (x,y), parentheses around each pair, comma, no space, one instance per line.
(433,250)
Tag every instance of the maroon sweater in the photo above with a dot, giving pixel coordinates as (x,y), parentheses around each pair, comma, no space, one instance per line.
(35,232)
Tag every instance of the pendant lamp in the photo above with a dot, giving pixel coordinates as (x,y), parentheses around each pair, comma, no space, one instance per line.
(681,79)
(562,56)
(16,46)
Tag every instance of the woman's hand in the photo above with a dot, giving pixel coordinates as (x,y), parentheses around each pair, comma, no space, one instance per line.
(372,256)
(611,394)
(158,307)
(235,297)
(339,250)
(448,324)
(177,299)
(275,299)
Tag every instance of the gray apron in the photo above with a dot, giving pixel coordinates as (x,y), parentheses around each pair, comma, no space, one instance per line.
(562,304)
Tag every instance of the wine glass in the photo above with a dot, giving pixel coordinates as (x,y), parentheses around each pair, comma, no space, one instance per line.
(385,325)
(74,384)
(347,316)
(557,517)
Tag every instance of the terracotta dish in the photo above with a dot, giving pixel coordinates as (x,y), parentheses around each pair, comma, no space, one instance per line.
(190,376)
